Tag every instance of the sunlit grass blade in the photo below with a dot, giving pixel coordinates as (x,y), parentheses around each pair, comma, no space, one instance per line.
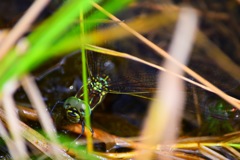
(76,150)
(40,40)
(112,6)
(44,37)
(98,37)
(85,87)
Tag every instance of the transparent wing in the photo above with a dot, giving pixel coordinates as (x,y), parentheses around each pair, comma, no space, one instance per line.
(136,79)
(124,76)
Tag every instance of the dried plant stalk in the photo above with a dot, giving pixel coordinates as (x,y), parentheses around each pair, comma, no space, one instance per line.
(45,119)
(165,112)
(37,139)
(17,145)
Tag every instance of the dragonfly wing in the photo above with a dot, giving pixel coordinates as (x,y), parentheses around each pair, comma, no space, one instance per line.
(133,78)
(102,65)
(124,76)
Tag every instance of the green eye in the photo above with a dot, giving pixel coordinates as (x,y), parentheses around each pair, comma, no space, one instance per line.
(75,109)
(73,115)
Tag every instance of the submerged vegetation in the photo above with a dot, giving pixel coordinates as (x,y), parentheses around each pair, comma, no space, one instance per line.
(83,75)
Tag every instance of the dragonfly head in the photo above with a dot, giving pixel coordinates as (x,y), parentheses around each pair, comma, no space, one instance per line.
(75,109)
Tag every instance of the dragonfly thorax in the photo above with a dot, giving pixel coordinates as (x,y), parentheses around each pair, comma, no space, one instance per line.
(98,85)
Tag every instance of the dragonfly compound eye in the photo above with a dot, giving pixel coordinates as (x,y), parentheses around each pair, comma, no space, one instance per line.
(73,115)
(75,109)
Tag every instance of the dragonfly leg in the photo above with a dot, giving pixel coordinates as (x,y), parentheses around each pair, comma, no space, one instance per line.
(82,132)
(91,130)
(98,102)
(96,105)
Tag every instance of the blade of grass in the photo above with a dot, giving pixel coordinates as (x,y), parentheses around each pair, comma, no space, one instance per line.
(112,6)
(234,151)
(35,98)
(36,139)
(85,86)
(3,35)
(4,135)
(19,149)
(98,37)
(41,40)
(218,56)
(211,154)
(78,151)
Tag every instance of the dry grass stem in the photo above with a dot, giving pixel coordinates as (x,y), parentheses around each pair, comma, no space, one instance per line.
(18,148)
(218,56)
(3,35)
(151,22)
(4,135)
(45,119)
(169,104)
(37,139)
(197,106)
(234,151)
(43,144)
(180,50)
(128,56)
(211,154)
(167,56)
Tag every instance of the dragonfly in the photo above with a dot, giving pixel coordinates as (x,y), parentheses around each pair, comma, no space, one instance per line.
(108,74)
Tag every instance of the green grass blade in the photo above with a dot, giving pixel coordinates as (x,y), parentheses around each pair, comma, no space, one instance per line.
(41,40)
